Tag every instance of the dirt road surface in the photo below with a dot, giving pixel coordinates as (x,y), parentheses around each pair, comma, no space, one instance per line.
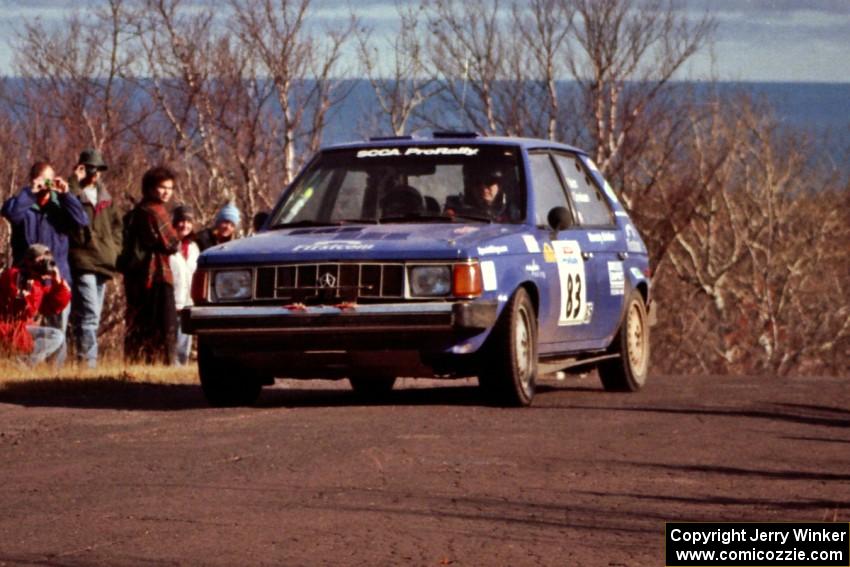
(114,473)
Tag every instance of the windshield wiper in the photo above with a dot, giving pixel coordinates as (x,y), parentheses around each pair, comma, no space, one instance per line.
(357,221)
(471,216)
(416,218)
(303,223)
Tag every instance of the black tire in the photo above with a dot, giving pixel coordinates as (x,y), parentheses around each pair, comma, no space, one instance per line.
(225,383)
(628,372)
(510,366)
(372,386)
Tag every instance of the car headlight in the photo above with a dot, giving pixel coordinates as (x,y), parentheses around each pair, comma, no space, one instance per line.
(430,281)
(232,284)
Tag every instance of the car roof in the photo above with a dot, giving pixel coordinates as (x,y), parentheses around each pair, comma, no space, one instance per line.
(453,138)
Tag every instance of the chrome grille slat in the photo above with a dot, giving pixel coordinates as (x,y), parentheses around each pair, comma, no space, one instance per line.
(309,282)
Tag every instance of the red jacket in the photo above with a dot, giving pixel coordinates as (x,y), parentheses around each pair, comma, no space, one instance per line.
(16,312)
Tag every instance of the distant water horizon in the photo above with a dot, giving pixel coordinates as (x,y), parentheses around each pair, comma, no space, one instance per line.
(819,109)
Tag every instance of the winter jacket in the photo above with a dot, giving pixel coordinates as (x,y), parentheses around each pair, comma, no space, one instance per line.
(95,248)
(207,239)
(50,225)
(17,311)
(149,226)
(184,262)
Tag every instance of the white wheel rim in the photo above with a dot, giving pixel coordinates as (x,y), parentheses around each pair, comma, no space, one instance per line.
(523,348)
(636,342)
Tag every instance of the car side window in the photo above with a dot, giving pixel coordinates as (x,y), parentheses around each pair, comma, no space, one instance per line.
(548,190)
(590,205)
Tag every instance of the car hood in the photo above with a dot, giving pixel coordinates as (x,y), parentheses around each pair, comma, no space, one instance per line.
(425,241)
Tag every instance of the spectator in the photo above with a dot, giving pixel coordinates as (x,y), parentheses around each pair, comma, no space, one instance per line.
(35,287)
(44,212)
(149,240)
(226,224)
(94,251)
(183,265)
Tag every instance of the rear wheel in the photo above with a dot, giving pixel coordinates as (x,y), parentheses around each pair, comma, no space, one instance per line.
(510,369)
(224,382)
(628,372)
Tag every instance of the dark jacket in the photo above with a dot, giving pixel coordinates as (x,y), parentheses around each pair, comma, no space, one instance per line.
(149,229)
(206,239)
(95,248)
(50,225)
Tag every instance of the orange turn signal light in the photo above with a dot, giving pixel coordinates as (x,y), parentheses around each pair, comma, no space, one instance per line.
(200,285)
(466,280)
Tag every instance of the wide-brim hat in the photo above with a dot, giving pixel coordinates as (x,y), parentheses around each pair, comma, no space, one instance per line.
(92,158)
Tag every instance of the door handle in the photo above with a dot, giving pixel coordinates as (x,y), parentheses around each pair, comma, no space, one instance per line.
(623,255)
(587,255)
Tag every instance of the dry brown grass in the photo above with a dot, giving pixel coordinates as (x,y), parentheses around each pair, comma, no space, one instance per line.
(113,370)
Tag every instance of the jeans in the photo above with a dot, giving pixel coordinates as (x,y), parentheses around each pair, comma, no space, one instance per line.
(59,322)
(87,305)
(184,346)
(46,341)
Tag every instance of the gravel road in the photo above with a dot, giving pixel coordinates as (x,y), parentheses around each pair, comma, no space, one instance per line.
(113,473)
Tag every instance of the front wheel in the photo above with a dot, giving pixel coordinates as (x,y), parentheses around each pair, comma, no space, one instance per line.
(510,369)
(224,383)
(628,372)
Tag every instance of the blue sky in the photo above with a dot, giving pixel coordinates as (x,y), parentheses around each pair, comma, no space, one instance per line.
(756,40)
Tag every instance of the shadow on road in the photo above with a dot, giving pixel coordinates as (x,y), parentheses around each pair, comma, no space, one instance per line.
(743,472)
(760,503)
(792,413)
(103,393)
(108,393)
(120,393)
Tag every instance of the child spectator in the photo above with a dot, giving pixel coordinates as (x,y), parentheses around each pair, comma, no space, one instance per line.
(183,265)
(227,223)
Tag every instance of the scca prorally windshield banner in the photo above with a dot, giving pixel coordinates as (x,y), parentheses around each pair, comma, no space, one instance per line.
(403,152)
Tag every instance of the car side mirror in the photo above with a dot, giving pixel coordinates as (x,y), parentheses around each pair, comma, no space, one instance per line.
(559,218)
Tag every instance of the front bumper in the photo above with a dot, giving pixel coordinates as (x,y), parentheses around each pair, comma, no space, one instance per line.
(383,325)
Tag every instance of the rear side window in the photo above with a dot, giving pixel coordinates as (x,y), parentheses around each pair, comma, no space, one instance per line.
(589,204)
(548,191)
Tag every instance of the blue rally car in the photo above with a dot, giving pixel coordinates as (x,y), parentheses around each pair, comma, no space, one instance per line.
(457,255)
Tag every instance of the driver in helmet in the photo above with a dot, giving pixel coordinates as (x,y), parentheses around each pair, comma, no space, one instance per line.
(487,194)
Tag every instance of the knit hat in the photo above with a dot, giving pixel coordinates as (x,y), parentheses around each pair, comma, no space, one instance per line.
(182,212)
(229,212)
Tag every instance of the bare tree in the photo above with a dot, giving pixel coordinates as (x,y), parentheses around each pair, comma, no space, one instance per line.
(627,53)
(302,67)
(408,86)
(760,258)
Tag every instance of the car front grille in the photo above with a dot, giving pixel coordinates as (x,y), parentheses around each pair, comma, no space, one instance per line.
(308,283)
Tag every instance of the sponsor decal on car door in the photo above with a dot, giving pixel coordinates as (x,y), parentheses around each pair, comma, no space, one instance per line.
(573,283)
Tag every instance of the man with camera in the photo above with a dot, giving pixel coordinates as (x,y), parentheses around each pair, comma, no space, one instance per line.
(45,212)
(34,287)
(93,254)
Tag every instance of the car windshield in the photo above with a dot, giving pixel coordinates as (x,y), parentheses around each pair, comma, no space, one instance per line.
(407,184)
